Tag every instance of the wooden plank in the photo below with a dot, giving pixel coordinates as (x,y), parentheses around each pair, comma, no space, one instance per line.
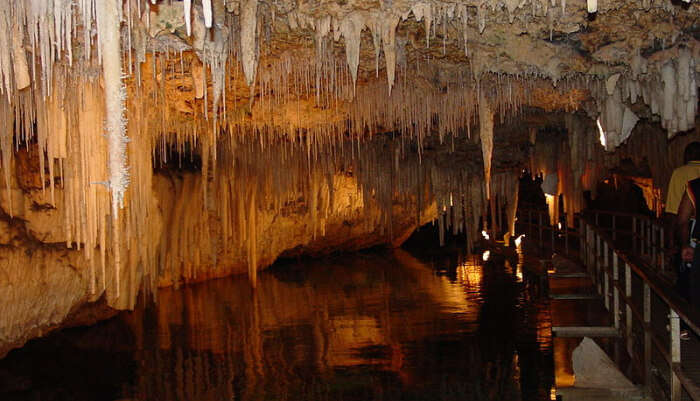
(585,331)
(569,275)
(574,296)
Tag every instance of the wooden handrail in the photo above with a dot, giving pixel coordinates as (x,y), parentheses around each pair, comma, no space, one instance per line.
(621,214)
(677,306)
(647,235)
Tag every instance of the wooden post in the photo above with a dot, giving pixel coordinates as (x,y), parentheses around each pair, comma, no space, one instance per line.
(606,277)
(648,238)
(642,240)
(662,238)
(654,245)
(582,238)
(634,234)
(675,346)
(591,250)
(566,234)
(553,236)
(616,291)
(598,254)
(647,335)
(628,308)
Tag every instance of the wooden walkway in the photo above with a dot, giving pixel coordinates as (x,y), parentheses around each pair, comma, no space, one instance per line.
(690,359)
(578,311)
(620,293)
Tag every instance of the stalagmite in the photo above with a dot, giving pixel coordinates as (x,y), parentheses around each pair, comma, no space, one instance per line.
(249,49)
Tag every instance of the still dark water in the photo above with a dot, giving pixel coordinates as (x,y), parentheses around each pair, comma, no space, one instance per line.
(385,325)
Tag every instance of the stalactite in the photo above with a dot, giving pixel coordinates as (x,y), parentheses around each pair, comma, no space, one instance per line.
(187,9)
(592,6)
(305,136)
(249,47)
(208,15)
(389,43)
(351,28)
(486,135)
(108,21)
(19,59)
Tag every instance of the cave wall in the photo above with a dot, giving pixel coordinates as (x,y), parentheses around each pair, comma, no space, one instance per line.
(45,285)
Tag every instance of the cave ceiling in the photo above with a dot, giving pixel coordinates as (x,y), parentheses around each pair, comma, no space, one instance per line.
(326,66)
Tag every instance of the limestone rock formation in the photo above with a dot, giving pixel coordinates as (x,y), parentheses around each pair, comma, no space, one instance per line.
(281,114)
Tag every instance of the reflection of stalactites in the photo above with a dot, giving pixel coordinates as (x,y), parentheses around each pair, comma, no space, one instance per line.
(252,241)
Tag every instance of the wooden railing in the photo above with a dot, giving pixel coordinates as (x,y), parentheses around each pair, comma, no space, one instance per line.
(641,235)
(626,259)
(619,277)
(536,226)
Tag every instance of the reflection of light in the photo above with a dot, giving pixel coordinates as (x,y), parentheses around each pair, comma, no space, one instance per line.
(519,240)
(485,235)
(602,133)
(470,273)
(551,207)
(486,255)
(559,225)
(553,394)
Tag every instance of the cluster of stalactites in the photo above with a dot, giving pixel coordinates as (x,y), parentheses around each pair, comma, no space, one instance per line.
(378,174)
(74,170)
(577,162)
(668,85)
(299,98)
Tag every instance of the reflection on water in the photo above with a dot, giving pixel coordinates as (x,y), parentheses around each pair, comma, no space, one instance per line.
(371,326)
